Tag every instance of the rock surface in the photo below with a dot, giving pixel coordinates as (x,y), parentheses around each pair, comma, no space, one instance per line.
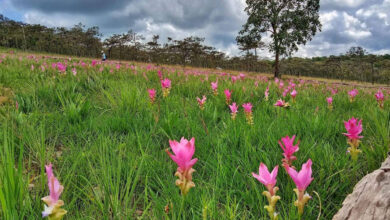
(370,198)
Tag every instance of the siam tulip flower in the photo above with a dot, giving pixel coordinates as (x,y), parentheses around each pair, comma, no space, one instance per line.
(276,80)
(94,62)
(248,112)
(166,87)
(53,209)
(1,60)
(241,76)
(61,67)
(234,109)
(152,95)
(43,68)
(201,102)
(256,84)
(288,147)
(74,71)
(281,103)
(101,69)
(159,73)
(352,94)
(32,67)
(287,90)
(118,66)
(228,96)
(234,78)
(294,94)
(302,180)
(183,152)
(354,128)
(330,102)
(214,86)
(380,98)
(281,85)
(266,93)
(269,181)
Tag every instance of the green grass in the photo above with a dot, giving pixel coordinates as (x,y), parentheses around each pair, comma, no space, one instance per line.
(107,142)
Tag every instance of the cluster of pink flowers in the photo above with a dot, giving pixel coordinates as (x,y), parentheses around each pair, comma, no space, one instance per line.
(302,179)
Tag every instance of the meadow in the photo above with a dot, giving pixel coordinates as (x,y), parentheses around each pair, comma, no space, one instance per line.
(106,139)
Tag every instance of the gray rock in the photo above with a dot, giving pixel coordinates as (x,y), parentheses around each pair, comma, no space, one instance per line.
(370,198)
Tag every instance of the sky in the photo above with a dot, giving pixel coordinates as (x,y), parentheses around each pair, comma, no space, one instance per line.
(345,23)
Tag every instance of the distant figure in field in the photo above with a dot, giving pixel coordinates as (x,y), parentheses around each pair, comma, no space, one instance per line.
(103,56)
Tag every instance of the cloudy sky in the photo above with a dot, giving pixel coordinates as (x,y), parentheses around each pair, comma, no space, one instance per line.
(345,23)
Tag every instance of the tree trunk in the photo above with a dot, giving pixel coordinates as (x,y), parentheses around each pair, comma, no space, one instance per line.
(276,72)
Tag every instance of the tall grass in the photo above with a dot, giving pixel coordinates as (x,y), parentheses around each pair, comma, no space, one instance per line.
(107,142)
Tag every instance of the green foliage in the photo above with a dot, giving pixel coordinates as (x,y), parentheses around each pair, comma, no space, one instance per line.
(290,23)
(106,142)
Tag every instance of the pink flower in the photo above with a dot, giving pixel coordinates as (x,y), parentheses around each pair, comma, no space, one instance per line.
(354,128)
(281,84)
(281,103)
(32,67)
(55,189)
(61,67)
(353,93)
(214,85)
(234,78)
(159,73)
(289,149)
(267,178)
(329,100)
(201,102)
(152,95)
(118,66)
(302,179)
(379,96)
(266,93)
(247,107)
(294,93)
(166,83)
(234,108)
(183,152)
(228,96)
(74,71)
(241,76)
(54,185)
(94,62)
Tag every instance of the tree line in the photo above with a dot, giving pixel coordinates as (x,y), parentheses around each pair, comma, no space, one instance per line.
(191,51)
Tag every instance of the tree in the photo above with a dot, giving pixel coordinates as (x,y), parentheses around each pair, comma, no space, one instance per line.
(248,42)
(356,52)
(290,23)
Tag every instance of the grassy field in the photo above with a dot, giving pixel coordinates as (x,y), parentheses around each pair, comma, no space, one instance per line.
(107,142)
